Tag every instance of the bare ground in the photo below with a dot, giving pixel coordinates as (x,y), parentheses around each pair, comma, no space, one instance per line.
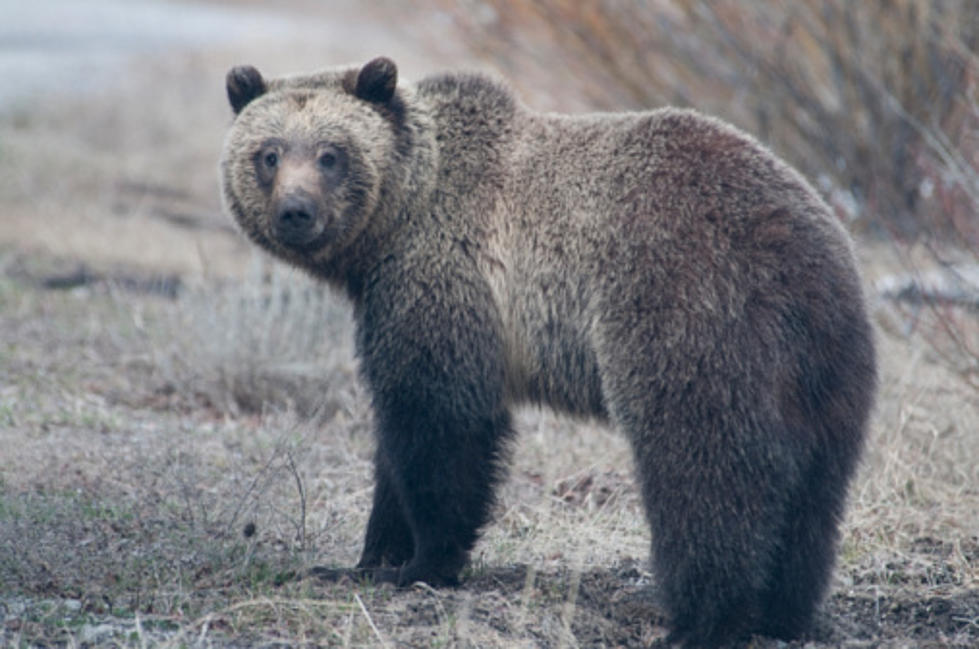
(183,432)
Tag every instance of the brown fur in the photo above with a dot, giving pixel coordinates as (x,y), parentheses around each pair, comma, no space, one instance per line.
(660,271)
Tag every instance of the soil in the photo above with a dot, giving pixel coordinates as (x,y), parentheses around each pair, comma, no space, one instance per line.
(615,607)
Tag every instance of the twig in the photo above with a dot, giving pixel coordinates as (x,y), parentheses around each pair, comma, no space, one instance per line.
(302,501)
(253,486)
(367,615)
(568,609)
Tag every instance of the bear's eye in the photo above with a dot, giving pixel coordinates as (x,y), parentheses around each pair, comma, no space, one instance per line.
(327,160)
(271,159)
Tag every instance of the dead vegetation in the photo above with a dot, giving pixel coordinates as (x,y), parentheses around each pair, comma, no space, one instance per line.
(172,459)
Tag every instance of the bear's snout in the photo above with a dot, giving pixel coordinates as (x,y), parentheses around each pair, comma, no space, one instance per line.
(296,223)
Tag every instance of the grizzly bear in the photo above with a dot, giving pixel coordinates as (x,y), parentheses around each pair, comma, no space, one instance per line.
(660,271)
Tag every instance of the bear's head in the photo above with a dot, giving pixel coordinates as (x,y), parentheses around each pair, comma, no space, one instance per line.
(306,157)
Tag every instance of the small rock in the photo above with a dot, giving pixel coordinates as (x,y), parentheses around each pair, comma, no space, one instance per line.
(95,633)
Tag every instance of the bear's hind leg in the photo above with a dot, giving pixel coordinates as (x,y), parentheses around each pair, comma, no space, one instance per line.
(714,492)
(802,571)
(828,404)
(815,510)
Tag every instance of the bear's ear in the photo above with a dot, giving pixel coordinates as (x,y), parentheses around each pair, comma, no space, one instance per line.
(245,83)
(377,80)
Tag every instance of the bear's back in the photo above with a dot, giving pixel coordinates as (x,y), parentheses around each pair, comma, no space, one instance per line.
(693,220)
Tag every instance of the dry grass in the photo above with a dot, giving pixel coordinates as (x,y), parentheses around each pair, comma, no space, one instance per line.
(124,499)
(920,479)
(169,464)
(282,344)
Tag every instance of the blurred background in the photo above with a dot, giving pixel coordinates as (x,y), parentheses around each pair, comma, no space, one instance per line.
(189,412)
(112,113)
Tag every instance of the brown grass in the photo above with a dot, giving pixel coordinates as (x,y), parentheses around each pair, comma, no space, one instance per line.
(168,464)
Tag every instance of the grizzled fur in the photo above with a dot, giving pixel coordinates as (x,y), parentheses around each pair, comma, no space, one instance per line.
(660,271)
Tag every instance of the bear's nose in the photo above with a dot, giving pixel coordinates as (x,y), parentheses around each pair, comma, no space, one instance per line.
(294,219)
(295,213)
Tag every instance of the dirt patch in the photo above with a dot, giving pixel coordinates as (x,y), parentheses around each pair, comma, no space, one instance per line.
(616,607)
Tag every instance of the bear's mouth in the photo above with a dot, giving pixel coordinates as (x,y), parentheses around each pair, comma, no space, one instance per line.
(324,231)
(306,244)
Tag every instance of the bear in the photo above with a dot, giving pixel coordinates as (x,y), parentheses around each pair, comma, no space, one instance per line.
(659,271)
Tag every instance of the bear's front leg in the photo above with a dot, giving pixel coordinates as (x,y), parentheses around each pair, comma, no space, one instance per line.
(389,540)
(449,464)
(437,379)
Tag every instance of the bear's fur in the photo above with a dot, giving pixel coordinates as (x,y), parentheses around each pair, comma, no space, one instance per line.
(660,271)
